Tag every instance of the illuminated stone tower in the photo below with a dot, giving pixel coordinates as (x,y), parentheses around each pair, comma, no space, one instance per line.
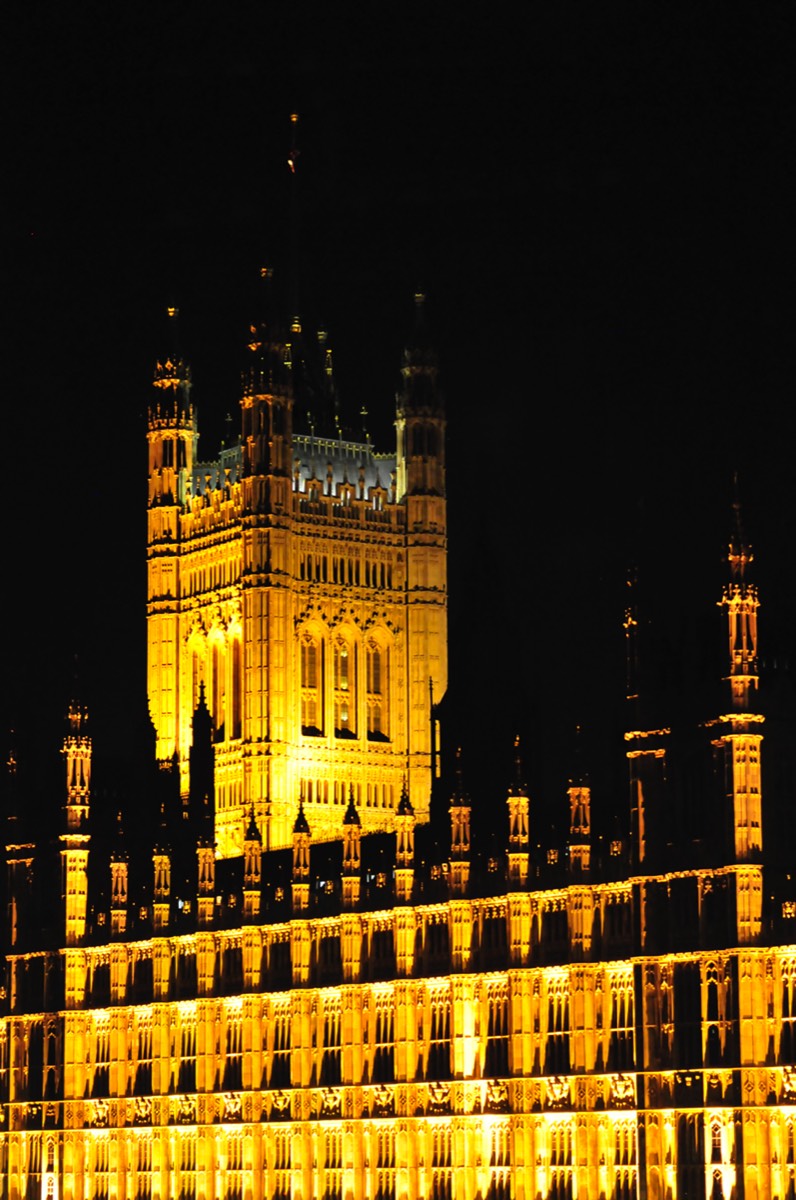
(300,580)
(738,739)
(75,838)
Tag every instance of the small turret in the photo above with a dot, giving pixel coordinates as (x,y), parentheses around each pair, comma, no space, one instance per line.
(20,857)
(646,749)
(352,856)
(738,740)
(420,486)
(404,848)
(171,434)
(519,825)
(301,861)
(420,416)
(201,787)
(75,839)
(161,878)
(205,870)
(579,794)
(460,813)
(120,883)
(252,870)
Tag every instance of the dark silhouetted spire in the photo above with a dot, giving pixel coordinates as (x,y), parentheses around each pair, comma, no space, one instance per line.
(301,824)
(404,804)
(351,815)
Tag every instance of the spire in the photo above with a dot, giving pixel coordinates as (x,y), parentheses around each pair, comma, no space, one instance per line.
(172,375)
(404,847)
(119,881)
(352,854)
(301,825)
(405,804)
(740,600)
(351,815)
(171,431)
(459,796)
(252,869)
(630,626)
(252,832)
(460,810)
(301,860)
(161,876)
(579,814)
(519,813)
(517,787)
(420,416)
(740,553)
(738,743)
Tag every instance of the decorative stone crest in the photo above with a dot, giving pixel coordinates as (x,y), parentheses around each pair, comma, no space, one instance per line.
(497,1097)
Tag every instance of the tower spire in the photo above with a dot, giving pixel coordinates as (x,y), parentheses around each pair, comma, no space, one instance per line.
(738,738)
(741,602)
(519,833)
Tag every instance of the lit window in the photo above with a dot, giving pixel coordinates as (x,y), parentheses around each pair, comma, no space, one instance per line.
(311,685)
(376,670)
(345,689)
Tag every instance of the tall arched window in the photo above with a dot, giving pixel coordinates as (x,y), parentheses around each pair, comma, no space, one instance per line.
(311,685)
(236,673)
(197,647)
(345,688)
(376,660)
(218,685)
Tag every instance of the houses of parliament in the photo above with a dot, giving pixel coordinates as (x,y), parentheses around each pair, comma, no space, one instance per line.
(291,971)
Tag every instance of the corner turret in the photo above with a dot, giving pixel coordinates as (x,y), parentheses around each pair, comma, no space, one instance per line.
(404,848)
(738,738)
(120,882)
(352,855)
(75,838)
(252,869)
(519,825)
(301,861)
(460,813)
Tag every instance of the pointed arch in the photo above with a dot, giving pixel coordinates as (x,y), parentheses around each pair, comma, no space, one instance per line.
(377,686)
(344,683)
(312,644)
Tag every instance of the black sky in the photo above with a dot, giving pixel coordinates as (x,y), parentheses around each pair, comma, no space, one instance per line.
(598,201)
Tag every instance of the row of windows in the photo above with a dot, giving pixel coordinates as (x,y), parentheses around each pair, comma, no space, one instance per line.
(325,568)
(339,662)
(337,791)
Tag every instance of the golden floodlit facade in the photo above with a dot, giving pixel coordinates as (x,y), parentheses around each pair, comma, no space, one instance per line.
(299,581)
(305,988)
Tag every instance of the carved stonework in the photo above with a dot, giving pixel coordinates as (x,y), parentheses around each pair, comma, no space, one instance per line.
(280,1107)
(497,1097)
(557,1092)
(439,1098)
(99,1114)
(623,1092)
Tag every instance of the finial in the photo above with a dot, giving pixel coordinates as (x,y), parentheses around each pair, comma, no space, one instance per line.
(579,776)
(252,832)
(301,824)
(518,787)
(293,156)
(351,815)
(405,804)
(459,796)
(740,553)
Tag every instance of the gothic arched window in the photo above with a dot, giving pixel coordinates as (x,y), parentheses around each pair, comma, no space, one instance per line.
(236,674)
(311,684)
(345,688)
(377,661)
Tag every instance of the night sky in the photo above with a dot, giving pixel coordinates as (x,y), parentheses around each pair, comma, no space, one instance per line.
(598,202)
